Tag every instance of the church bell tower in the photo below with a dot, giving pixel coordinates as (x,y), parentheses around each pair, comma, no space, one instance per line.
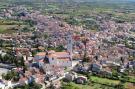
(70,45)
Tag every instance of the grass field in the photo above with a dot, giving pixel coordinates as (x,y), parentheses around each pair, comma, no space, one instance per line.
(82,86)
(129,86)
(132,79)
(9,28)
(101,83)
(10,22)
(89,86)
(6,28)
(97,83)
(104,80)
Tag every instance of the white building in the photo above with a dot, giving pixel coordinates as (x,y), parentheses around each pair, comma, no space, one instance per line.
(60,58)
(2,86)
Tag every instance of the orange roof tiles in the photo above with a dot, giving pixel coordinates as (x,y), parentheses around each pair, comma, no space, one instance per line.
(61,55)
(58,55)
(41,54)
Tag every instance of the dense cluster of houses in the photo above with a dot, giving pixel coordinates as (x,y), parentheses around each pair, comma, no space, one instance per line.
(103,48)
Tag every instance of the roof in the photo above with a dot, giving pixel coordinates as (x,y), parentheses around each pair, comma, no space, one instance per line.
(53,54)
(61,55)
(41,53)
(22,49)
(40,56)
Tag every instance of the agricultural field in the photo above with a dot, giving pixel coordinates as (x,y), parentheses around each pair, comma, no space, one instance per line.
(129,86)
(83,14)
(7,28)
(104,81)
(73,85)
(10,26)
(98,83)
(94,83)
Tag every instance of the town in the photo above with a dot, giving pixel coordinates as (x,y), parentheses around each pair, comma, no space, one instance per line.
(44,51)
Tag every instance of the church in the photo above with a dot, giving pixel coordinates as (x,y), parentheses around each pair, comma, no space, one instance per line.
(63,59)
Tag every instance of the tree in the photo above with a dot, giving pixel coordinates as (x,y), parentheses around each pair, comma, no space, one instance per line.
(72,21)
(60,48)
(46,36)
(30,22)
(34,85)
(10,75)
(6,58)
(34,52)
(20,61)
(1,59)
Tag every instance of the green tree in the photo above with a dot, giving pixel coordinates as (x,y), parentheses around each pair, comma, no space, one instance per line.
(60,48)
(34,85)
(20,61)
(46,36)
(1,59)
(10,75)
(72,21)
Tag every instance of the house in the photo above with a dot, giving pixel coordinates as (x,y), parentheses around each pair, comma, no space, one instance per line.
(23,81)
(39,56)
(131,64)
(56,85)
(50,77)
(81,68)
(95,67)
(71,76)
(2,85)
(81,80)
(53,70)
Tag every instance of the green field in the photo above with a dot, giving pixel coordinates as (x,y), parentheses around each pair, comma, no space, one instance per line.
(94,83)
(73,85)
(97,83)
(104,81)
(6,28)
(132,79)
(10,28)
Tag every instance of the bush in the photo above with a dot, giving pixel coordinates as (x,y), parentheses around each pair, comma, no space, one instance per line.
(10,75)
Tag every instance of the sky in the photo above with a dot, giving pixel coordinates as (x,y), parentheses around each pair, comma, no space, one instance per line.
(109,0)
